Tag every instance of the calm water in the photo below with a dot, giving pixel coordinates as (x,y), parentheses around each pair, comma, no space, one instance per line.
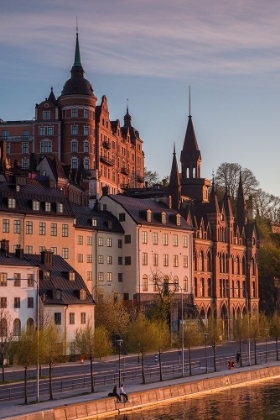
(254,402)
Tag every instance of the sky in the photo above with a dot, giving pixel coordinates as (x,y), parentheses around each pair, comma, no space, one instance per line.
(149,52)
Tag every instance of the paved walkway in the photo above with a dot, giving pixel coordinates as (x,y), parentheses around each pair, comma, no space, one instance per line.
(16,409)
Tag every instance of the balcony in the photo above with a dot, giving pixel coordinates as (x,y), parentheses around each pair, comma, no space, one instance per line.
(107,160)
(140,178)
(17,138)
(124,170)
(106,144)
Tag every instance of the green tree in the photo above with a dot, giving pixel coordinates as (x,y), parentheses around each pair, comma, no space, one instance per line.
(52,343)
(92,343)
(25,352)
(193,336)
(162,339)
(269,271)
(275,330)
(215,331)
(240,332)
(259,329)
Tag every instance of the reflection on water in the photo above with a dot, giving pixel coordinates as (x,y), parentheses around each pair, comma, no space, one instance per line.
(255,402)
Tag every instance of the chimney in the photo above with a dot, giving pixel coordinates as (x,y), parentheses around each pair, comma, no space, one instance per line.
(170,201)
(47,257)
(5,245)
(105,191)
(19,252)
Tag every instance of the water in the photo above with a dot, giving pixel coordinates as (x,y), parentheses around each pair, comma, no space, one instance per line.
(259,401)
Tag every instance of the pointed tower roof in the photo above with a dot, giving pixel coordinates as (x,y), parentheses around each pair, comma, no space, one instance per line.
(52,97)
(227,205)
(190,150)
(174,183)
(213,204)
(241,208)
(77,84)
(127,118)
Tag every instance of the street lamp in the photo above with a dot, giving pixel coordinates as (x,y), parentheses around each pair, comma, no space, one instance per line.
(119,342)
(206,361)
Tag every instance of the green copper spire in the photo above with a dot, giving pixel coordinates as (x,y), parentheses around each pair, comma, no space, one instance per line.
(77,61)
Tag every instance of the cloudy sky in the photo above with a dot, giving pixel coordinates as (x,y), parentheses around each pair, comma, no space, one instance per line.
(150,52)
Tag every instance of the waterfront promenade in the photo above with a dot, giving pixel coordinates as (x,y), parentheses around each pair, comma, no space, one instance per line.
(140,394)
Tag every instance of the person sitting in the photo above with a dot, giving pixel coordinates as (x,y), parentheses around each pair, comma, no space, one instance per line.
(116,394)
(123,393)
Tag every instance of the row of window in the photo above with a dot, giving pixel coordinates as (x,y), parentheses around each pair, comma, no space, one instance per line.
(36,206)
(16,279)
(236,265)
(29,228)
(165,239)
(165,260)
(4,303)
(166,283)
(109,276)
(203,288)
(78,113)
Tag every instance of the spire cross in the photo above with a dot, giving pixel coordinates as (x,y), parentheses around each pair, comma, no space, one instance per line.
(189,100)
(76,25)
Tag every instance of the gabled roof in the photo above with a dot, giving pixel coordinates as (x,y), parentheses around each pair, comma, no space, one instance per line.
(105,221)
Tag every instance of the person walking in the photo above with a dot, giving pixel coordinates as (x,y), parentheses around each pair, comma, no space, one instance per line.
(123,393)
(237,357)
(116,394)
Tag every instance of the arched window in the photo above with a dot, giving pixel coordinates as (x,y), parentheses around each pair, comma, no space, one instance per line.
(237,265)
(243,265)
(185,282)
(176,283)
(202,288)
(253,266)
(17,327)
(195,287)
(201,261)
(145,283)
(209,287)
(3,327)
(209,265)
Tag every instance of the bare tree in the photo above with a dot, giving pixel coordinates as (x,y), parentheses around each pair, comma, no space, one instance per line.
(151,177)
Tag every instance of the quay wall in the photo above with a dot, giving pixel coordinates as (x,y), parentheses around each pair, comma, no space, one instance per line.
(105,407)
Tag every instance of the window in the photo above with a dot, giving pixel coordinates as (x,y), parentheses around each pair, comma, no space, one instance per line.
(109,276)
(144,258)
(3,302)
(122,217)
(100,259)
(80,258)
(17,226)
(74,130)
(109,259)
(185,241)
(89,258)
(25,148)
(46,115)
(185,283)
(47,206)
(119,243)
(53,229)
(29,228)
(25,163)
(59,207)
(71,318)
(86,113)
(127,239)
(100,276)
(80,240)
(42,131)
(93,222)
(54,250)
(163,218)
(29,249)
(175,261)
(165,239)
(127,260)
(57,318)
(17,279)
(155,260)
(3,279)
(65,253)
(83,317)
(46,275)
(89,240)
(17,327)
(145,283)
(64,230)
(45,146)
(50,131)
(74,163)
(165,260)
(109,241)
(89,275)
(30,280)
(30,302)
(41,248)
(185,261)
(86,130)
(42,228)
(74,113)
(120,277)
(74,146)
(155,238)
(100,241)
(175,240)
(72,275)
(11,203)
(144,237)
(5,134)
(6,226)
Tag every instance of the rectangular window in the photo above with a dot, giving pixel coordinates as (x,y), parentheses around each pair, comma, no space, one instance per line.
(119,260)
(50,131)
(109,276)
(17,279)
(3,279)
(165,239)
(74,112)
(29,228)
(25,148)
(165,260)
(6,226)
(86,130)
(109,241)
(127,239)
(122,217)
(155,238)
(89,275)
(100,241)
(80,258)
(74,130)
(54,250)
(53,229)
(46,115)
(120,277)
(3,302)
(119,243)
(100,259)
(175,240)
(30,302)
(144,258)
(17,226)
(127,260)
(65,253)
(47,206)
(71,318)
(85,113)
(89,240)
(11,203)
(80,240)
(175,260)
(26,134)
(59,207)
(29,249)
(185,261)
(5,134)
(155,260)
(30,280)
(144,237)
(64,230)
(109,259)
(42,131)
(35,205)
(42,248)
(74,146)
(100,276)
(16,302)
(89,258)
(83,317)
(57,318)
(42,228)
(185,241)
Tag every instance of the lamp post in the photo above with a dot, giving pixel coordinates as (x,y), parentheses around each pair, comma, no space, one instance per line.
(119,342)
(206,361)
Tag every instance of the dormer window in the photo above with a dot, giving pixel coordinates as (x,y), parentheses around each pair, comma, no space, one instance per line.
(35,205)
(47,206)
(178,220)
(83,294)
(58,294)
(163,218)
(45,275)
(11,203)
(93,222)
(72,275)
(59,207)
(149,216)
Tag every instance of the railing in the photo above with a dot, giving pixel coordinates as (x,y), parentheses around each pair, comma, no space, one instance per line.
(106,144)
(124,170)
(140,178)
(17,138)
(107,160)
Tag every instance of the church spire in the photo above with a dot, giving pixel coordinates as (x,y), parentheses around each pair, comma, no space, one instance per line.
(127,118)
(241,208)
(77,59)
(190,155)
(174,183)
